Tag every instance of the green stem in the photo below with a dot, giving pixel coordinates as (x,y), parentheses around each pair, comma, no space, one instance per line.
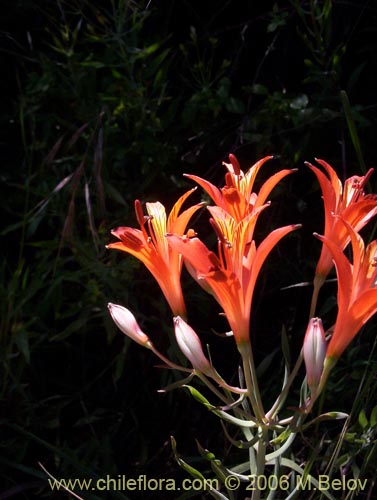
(328,365)
(276,474)
(317,284)
(251,381)
(261,459)
(210,386)
(239,413)
(282,396)
(167,361)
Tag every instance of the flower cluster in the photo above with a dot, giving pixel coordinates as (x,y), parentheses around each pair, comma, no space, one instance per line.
(347,210)
(230,274)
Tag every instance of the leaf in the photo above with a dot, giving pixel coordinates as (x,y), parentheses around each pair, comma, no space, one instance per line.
(93,64)
(114,194)
(22,341)
(332,415)
(188,468)
(206,454)
(286,462)
(147,51)
(234,105)
(352,130)
(259,89)
(363,421)
(300,102)
(199,397)
(266,363)
(73,327)
(218,468)
(178,384)
(207,485)
(12,227)
(373,417)
(285,346)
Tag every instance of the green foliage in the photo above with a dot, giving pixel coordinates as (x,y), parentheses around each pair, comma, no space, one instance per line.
(109,101)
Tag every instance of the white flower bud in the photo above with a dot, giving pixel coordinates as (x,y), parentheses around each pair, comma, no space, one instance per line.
(191,347)
(314,350)
(126,322)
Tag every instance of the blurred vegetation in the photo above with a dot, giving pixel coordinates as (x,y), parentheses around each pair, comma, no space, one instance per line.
(110,101)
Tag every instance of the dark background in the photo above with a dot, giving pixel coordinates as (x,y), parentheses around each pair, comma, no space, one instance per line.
(119,99)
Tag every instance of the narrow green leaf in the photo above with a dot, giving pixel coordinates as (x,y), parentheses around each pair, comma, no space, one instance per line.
(373,417)
(352,130)
(199,397)
(195,473)
(22,342)
(363,421)
(285,346)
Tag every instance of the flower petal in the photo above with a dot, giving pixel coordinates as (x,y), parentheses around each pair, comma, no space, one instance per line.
(211,190)
(262,253)
(195,251)
(269,185)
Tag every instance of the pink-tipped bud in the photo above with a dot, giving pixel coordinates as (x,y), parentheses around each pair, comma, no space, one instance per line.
(314,351)
(191,347)
(126,322)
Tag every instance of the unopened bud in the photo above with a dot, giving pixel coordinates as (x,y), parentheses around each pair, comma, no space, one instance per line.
(126,322)
(314,350)
(191,347)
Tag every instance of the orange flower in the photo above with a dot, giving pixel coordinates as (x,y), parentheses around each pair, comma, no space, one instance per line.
(149,245)
(237,197)
(232,275)
(349,202)
(357,292)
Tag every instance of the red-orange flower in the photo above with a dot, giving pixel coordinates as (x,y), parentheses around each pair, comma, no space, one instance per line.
(232,275)
(357,292)
(237,197)
(350,202)
(149,245)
